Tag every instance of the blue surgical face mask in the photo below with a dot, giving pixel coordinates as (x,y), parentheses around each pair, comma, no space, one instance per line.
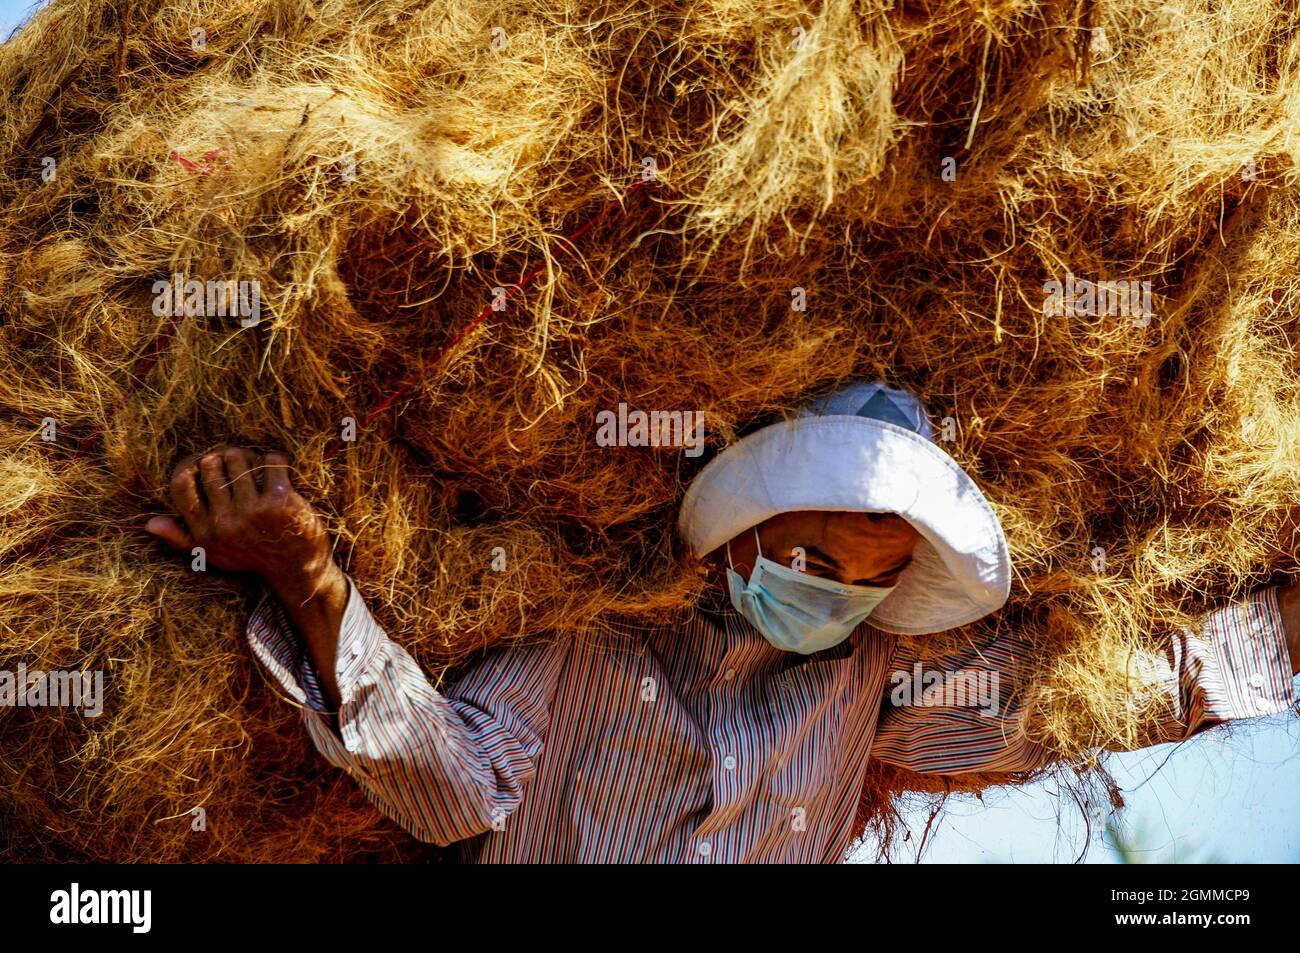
(797,612)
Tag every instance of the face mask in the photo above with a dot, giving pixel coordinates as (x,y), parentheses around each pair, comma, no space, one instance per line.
(797,612)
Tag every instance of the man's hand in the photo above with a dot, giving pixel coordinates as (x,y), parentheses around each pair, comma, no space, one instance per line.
(267,529)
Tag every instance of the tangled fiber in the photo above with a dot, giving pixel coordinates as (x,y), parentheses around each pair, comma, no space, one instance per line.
(385,171)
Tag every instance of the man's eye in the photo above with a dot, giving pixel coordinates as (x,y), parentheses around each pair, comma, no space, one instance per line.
(890,580)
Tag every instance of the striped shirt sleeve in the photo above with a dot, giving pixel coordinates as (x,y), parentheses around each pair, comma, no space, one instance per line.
(1236,666)
(444,765)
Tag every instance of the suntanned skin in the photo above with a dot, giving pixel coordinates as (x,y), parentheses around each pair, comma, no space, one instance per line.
(243,510)
(247,516)
(858,549)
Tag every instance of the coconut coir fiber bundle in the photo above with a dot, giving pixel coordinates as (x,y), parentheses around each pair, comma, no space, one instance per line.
(380,168)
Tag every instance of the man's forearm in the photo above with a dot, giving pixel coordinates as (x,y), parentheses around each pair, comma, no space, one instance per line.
(1288,597)
(316,606)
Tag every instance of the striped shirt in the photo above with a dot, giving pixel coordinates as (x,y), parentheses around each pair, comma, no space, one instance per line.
(695,740)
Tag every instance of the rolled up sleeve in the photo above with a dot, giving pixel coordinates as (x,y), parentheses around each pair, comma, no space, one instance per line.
(1234,665)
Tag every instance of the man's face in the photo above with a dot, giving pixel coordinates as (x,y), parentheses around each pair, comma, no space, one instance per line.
(860,549)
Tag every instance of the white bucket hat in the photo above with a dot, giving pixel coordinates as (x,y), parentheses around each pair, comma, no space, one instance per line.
(864,448)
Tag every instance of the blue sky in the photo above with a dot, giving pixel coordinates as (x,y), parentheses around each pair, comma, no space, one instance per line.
(13,12)
(1231,799)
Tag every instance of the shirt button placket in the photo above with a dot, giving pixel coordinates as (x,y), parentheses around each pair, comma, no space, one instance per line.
(1257,682)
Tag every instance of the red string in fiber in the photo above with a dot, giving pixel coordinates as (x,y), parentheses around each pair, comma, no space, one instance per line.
(336,444)
(138,373)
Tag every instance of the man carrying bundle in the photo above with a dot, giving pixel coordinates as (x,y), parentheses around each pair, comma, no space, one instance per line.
(741,731)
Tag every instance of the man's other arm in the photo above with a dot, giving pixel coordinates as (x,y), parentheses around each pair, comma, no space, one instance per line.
(1238,664)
